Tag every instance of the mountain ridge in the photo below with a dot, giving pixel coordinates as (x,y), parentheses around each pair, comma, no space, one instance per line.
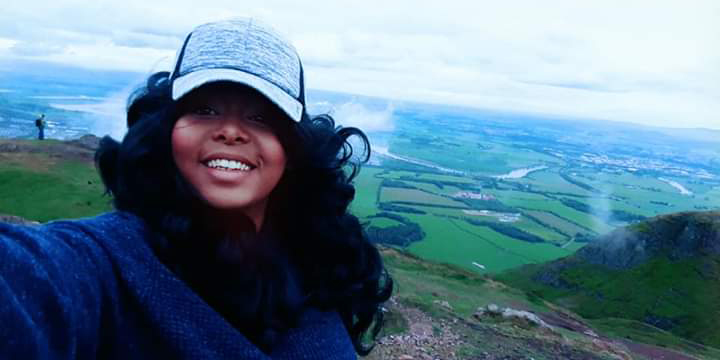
(663,272)
(678,236)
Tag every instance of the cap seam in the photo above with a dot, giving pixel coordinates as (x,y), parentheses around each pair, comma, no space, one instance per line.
(245,43)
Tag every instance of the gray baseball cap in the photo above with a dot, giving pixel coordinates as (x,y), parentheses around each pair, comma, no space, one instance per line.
(245,51)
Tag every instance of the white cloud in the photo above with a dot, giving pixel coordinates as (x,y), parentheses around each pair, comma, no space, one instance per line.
(35,49)
(354,114)
(6,44)
(648,61)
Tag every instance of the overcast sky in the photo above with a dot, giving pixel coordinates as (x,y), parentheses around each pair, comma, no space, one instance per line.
(651,62)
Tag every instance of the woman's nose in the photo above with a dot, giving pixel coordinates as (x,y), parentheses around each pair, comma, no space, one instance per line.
(232,130)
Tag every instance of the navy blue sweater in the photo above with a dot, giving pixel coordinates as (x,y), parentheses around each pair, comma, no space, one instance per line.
(93,288)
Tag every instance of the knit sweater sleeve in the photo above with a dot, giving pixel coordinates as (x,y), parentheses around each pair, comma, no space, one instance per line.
(321,336)
(50,293)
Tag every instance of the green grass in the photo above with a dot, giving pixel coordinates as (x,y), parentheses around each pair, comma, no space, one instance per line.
(419,282)
(366,185)
(673,290)
(515,197)
(446,189)
(457,242)
(534,252)
(585,220)
(397,174)
(566,227)
(66,189)
(528,225)
(383,222)
(388,194)
(447,243)
(440,211)
(549,180)
(448,178)
(640,190)
(644,333)
(498,159)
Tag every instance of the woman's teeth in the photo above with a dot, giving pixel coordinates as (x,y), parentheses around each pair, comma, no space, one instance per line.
(228,164)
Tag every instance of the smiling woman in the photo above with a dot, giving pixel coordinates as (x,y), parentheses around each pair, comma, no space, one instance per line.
(231,236)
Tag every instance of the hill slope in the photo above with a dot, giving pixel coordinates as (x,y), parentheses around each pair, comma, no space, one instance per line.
(45,180)
(663,272)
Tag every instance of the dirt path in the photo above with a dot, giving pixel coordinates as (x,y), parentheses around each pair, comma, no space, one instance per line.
(426,339)
(656,352)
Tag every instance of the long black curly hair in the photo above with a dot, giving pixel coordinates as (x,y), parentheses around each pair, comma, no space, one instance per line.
(310,251)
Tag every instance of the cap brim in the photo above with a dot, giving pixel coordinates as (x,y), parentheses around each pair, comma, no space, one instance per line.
(189,82)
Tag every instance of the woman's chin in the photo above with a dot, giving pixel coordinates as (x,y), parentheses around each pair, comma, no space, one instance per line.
(228,211)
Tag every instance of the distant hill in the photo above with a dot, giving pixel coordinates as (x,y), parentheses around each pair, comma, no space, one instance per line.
(663,272)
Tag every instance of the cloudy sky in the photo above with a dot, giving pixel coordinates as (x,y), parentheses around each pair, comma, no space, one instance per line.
(651,62)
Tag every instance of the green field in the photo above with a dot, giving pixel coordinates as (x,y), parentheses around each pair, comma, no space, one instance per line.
(448,178)
(388,194)
(584,220)
(540,230)
(494,158)
(515,197)
(383,222)
(368,185)
(456,242)
(447,190)
(549,180)
(556,222)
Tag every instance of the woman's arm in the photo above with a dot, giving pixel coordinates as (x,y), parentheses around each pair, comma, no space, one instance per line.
(50,295)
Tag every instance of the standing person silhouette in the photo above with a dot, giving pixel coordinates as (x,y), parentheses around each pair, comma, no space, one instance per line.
(40,123)
(231,236)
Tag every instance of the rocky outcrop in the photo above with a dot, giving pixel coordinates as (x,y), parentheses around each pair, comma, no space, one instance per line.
(12,219)
(82,149)
(495,312)
(677,236)
(90,142)
(426,339)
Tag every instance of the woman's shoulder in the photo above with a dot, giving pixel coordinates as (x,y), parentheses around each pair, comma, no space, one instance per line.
(117,220)
(105,227)
(114,221)
(63,240)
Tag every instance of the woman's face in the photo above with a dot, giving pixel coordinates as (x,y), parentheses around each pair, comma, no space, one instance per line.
(223,146)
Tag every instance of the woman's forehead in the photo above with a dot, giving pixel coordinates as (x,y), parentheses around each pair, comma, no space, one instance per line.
(227,91)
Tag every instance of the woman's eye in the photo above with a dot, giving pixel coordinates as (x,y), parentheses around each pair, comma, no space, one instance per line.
(257,118)
(204,110)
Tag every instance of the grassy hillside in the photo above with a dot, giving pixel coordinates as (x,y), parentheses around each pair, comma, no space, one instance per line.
(655,281)
(46,180)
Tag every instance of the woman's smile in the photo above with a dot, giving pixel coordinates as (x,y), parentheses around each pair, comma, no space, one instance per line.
(228,167)
(225,148)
